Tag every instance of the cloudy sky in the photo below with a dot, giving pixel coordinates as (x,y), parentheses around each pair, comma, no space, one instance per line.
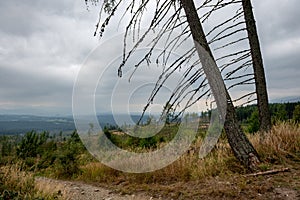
(43,45)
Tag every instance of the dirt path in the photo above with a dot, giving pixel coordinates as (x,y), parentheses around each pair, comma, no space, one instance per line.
(281,186)
(80,191)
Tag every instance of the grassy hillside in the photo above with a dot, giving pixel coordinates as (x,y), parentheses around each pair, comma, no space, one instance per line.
(37,154)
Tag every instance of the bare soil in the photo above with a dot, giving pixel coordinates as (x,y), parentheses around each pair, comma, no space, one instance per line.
(72,190)
(281,186)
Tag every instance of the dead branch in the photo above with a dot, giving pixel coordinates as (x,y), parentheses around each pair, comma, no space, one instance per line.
(274,171)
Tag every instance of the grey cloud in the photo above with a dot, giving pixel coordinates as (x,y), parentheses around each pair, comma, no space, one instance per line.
(26,87)
(277,20)
(44,43)
(279,33)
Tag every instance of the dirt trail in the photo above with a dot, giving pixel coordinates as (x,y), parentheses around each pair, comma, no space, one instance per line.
(281,186)
(80,191)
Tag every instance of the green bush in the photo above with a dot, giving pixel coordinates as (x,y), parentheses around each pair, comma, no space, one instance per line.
(253,122)
(39,152)
(31,144)
(66,164)
(296,114)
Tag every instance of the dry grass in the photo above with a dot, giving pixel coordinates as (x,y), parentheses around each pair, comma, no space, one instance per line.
(215,176)
(188,167)
(281,144)
(49,190)
(95,171)
(19,184)
(15,179)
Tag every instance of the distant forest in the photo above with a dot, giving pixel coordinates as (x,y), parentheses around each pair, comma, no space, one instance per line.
(248,115)
(279,111)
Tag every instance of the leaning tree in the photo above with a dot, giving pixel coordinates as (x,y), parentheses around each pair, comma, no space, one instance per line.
(169,18)
(259,74)
(238,141)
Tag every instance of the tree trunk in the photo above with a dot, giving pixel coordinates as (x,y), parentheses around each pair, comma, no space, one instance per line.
(241,146)
(259,74)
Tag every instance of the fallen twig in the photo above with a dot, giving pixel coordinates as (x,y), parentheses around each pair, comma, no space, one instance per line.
(274,171)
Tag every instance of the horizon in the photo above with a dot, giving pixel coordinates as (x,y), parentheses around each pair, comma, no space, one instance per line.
(293,99)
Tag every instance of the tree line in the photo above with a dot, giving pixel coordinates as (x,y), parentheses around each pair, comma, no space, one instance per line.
(278,111)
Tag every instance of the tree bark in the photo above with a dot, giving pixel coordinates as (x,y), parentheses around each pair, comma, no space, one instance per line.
(241,146)
(259,73)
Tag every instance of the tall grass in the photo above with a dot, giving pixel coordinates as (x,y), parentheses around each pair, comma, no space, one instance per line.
(187,167)
(281,145)
(17,184)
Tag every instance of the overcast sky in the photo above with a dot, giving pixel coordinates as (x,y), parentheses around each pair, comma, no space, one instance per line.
(43,44)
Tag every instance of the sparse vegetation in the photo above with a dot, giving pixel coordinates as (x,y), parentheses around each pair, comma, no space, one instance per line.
(38,154)
(296,114)
(18,184)
(280,147)
(180,179)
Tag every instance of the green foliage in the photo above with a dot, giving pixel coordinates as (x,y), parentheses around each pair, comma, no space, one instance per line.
(32,144)
(279,113)
(36,150)
(48,155)
(150,142)
(66,163)
(6,145)
(253,122)
(244,113)
(296,114)
(40,152)
(129,142)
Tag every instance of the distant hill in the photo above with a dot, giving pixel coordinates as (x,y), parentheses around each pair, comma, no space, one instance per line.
(290,99)
(20,124)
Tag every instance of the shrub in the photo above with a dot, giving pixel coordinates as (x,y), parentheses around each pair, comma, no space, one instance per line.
(253,126)
(66,164)
(31,143)
(296,114)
